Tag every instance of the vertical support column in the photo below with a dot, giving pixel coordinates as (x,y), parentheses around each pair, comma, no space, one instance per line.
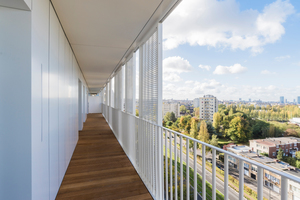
(213,174)
(225,176)
(241,179)
(260,186)
(284,188)
(159,78)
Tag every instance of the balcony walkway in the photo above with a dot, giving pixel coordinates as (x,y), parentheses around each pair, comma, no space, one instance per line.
(99,168)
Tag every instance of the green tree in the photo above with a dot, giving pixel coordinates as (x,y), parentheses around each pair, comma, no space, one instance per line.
(298,155)
(170,116)
(211,130)
(203,133)
(230,112)
(182,109)
(217,121)
(280,154)
(214,141)
(239,129)
(136,112)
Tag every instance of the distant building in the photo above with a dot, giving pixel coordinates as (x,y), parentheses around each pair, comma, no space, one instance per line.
(289,146)
(285,101)
(208,106)
(240,99)
(196,103)
(171,107)
(249,100)
(298,99)
(281,99)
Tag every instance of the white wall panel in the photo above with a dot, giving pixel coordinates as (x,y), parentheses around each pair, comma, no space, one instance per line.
(53,104)
(15,107)
(95,104)
(61,106)
(39,95)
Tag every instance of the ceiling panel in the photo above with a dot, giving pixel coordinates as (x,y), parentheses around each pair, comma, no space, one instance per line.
(101,31)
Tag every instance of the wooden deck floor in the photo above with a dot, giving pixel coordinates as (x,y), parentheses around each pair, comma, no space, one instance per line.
(99,168)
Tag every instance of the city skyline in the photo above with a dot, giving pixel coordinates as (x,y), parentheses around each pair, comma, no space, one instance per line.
(232,49)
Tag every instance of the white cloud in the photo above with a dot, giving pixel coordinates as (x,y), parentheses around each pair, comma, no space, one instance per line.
(267,72)
(234,69)
(173,66)
(280,58)
(206,67)
(222,24)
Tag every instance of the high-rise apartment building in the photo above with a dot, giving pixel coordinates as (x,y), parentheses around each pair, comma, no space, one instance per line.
(196,102)
(282,99)
(171,107)
(208,106)
(298,99)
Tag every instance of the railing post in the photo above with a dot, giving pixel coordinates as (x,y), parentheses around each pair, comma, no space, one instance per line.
(241,179)
(195,171)
(187,169)
(225,176)
(203,172)
(260,187)
(213,174)
(171,178)
(181,170)
(175,166)
(166,164)
(284,188)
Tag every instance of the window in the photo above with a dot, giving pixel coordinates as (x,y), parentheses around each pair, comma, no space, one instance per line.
(274,153)
(246,165)
(277,146)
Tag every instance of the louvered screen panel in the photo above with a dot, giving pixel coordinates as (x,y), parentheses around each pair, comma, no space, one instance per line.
(149,73)
(119,89)
(129,86)
(112,92)
(105,95)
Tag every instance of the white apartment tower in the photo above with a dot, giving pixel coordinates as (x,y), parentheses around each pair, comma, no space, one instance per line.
(196,102)
(208,106)
(171,107)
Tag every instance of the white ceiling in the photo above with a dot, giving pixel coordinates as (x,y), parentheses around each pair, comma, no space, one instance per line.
(101,32)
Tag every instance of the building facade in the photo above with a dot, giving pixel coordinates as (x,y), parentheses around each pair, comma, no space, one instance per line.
(271,146)
(196,102)
(281,99)
(208,105)
(171,107)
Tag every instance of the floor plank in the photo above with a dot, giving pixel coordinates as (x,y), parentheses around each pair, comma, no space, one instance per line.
(99,168)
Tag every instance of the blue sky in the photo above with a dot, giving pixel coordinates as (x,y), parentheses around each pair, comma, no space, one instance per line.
(232,49)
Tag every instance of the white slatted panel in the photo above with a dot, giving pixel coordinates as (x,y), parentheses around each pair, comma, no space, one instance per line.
(118,89)
(129,86)
(112,88)
(149,79)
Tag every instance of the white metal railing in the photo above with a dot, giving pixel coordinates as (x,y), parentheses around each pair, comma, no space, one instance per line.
(157,153)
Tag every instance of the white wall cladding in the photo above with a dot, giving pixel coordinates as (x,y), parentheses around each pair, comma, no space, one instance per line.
(15,104)
(40,117)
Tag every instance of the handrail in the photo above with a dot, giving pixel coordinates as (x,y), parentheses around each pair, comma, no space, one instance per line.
(291,177)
